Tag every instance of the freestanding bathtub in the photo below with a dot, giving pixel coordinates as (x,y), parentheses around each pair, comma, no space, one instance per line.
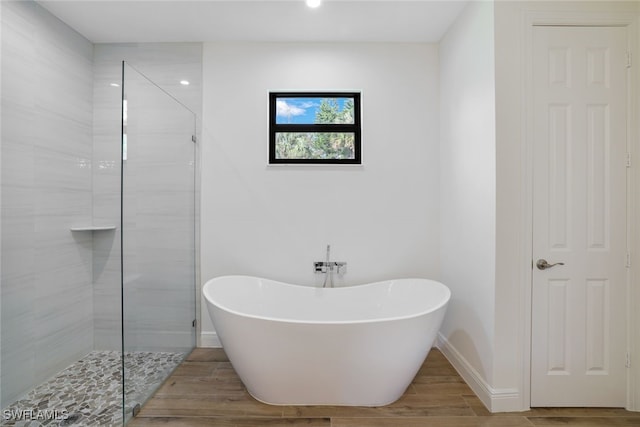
(297,345)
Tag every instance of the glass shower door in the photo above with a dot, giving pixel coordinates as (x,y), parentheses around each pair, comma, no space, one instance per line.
(158,236)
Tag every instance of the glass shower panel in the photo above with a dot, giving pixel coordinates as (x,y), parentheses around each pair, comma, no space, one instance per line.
(158,237)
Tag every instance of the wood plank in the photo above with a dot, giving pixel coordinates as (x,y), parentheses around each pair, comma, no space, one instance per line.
(195,369)
(207,355)
(511,421)
(585,421)
(231,422)
(408,405)
(581,412)
(209,406)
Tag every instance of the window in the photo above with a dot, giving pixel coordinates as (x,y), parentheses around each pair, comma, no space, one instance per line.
(314,127)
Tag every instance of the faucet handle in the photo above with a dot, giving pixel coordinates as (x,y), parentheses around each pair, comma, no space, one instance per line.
(341,267)
(320,267)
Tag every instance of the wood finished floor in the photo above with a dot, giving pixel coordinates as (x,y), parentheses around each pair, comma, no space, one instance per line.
(205,391)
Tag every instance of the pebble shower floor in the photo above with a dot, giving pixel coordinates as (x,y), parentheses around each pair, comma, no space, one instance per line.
(89,392)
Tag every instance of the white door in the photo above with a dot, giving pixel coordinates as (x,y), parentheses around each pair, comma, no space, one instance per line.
(578,348)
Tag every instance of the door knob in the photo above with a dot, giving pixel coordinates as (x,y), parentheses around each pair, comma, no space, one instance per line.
(542,264)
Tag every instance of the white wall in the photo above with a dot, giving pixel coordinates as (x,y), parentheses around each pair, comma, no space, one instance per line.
(510,202)
(468,195)
(46,149)
(382,218)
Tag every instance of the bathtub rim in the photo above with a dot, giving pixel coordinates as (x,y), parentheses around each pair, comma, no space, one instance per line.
(413,315)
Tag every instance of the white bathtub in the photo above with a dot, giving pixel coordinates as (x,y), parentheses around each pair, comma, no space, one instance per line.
(298,345)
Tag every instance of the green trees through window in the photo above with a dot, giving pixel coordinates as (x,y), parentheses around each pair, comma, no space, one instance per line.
(314,128)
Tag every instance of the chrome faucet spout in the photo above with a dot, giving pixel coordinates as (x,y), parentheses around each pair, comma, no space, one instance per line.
(328,274)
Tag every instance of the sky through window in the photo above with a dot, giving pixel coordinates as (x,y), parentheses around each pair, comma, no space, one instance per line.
(303,110)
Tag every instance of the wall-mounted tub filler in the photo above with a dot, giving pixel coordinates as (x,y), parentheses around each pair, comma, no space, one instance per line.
(328,267)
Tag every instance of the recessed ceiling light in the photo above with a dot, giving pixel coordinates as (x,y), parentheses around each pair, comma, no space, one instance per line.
(184,82)
(114,85)
(313,3)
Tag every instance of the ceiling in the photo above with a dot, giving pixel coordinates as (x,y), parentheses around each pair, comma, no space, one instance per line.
(116,21)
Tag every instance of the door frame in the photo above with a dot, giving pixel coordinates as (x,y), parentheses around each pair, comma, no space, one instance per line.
(573,18)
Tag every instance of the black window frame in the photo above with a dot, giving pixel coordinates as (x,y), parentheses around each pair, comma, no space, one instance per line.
(354,128)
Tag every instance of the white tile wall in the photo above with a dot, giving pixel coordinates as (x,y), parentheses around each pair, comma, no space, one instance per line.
(46,189)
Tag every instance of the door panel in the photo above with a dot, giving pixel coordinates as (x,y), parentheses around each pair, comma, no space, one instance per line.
(579,217)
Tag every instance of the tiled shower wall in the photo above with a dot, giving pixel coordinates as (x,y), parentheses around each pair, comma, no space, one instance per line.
(47,298)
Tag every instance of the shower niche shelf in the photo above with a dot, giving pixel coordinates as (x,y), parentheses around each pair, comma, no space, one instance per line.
(94,228)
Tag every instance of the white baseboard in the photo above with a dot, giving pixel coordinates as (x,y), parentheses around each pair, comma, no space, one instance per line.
(210,339)
(496,400)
